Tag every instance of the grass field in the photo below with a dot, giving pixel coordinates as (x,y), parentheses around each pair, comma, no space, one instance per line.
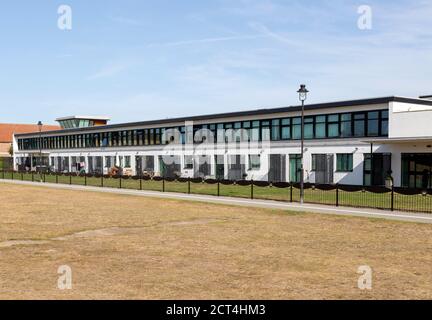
(414,203)
(130,247)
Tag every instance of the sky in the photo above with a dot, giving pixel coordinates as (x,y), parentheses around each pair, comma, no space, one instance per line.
(136,60)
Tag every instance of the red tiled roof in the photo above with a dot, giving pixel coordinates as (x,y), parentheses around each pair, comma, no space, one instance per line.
(8,129)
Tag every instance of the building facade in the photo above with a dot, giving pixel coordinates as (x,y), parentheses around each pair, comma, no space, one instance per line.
(358,142)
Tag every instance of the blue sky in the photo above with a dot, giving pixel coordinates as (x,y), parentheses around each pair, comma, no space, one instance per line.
(141,60)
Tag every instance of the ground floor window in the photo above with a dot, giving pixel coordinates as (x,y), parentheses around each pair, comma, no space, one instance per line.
(344,162)
(188,163)
(417,170)
(254,162)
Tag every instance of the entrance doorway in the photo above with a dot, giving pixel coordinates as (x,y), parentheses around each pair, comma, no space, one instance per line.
(417,170)
(219,167)
(277,168)
(376,168)
(236,167)
(295,167)
(170,167)
(323,166)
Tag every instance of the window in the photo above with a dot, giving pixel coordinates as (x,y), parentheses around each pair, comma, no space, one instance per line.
(344,162)
(346,125)
(359,125)
(333,126)
(372,123)
(275,130)
(286,129)
(188,165)
(296,128)
(320,127)
(254,162)
(255,132)
(309,128)
(246,131)
(265,130)
(127,161)
(384,123)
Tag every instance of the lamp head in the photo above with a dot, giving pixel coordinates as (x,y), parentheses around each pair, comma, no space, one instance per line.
(303,92)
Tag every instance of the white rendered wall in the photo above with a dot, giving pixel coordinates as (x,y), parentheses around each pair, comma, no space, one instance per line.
(409,120)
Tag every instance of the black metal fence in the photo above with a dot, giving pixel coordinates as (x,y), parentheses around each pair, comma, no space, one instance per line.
(402,199)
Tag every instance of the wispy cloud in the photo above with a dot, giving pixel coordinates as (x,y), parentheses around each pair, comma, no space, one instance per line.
(205,40)
(126,21)
(108,71)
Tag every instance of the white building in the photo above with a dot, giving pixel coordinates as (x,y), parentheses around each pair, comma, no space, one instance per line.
(260,144)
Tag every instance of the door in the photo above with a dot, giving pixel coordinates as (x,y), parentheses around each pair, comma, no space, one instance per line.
(277,168)
(202,166)
(323,165)
(376,169)
(219,167)
(295,165)
(236,167)
(417,170)
(138,165)
(171,167)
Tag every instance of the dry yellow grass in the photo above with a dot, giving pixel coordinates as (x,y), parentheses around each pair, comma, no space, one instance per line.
(165,249)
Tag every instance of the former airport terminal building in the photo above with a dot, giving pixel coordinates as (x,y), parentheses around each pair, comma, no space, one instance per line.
(359,142)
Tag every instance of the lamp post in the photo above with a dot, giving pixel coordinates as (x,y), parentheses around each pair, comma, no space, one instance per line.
(302,96)
(40,125)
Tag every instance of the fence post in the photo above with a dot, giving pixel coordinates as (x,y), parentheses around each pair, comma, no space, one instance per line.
(291,192)
(252,190)
(22,176)
(163,184)
(140,183)
(392,198)
(32,176)
(57,178)
(120,182)
(189,184)
(44,177)
(85,180)
(102,182)
(218,188)
(337,195)
(70,179)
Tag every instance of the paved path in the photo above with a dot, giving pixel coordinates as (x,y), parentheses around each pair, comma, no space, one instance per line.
(346,211)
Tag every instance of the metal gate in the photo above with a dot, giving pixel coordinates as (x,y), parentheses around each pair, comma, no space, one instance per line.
(277,168)
(236,167)
(324,167)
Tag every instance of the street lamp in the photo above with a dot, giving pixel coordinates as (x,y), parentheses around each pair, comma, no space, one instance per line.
(40,125)
(302,96)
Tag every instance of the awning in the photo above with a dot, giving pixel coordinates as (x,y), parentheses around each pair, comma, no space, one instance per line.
(403,140)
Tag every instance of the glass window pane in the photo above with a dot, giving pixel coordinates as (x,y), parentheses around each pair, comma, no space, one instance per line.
(308,131)
(320,130)
(286,134)
(296,132)
(333,130)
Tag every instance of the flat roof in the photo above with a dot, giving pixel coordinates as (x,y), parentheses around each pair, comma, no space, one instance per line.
(83,118)
(346,103)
